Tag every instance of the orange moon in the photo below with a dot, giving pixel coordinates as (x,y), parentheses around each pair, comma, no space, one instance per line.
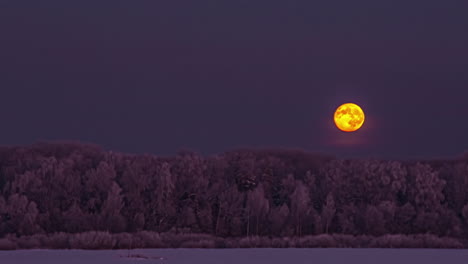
(349,117)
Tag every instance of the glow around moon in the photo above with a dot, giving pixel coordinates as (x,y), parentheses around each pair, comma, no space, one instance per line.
(349,117)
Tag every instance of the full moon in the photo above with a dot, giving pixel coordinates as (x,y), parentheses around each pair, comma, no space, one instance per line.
(349,117)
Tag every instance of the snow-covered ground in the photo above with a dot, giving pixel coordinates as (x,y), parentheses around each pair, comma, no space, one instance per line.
(237,256)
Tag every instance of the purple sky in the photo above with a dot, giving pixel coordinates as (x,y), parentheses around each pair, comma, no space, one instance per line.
(158,76)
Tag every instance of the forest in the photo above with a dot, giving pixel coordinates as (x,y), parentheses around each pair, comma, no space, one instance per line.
(71,190)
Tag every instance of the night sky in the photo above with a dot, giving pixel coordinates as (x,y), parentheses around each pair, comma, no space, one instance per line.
(152,76)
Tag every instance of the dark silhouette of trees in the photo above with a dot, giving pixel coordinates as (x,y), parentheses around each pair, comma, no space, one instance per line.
(111,217)
(257,208)
(300,209)
(328,212)
(74,188)
(278,219)
(21,215)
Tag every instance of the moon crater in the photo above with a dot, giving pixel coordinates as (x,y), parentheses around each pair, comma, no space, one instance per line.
(349,117)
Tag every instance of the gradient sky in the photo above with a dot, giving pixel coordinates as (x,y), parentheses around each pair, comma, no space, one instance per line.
(160,76)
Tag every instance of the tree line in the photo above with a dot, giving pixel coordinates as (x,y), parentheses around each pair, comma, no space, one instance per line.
(73,188)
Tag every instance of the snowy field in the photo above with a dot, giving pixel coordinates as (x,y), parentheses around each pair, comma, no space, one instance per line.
(237,256)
